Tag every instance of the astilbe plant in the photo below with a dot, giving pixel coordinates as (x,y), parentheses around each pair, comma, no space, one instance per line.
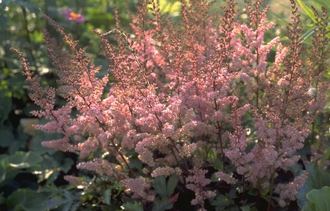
(181,103)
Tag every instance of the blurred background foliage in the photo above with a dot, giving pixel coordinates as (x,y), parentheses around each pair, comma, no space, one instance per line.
(31,176)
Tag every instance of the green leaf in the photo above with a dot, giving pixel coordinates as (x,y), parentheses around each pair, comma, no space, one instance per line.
(161,205)
(318,178)
(325,157)
(307,10)
(3,171)
(245,208)
(37,140)
(309,207)
(163,189)
(307,34)
(135,163)
(66,201)
(28,200)
(319,200)
(5,105)
(133,206)
(22,160)
(160,186)
(222,201)
(15,146)
(171,184)
(75,206)
(67,206)
(169,6)
(66,166)
(211,154)
(3,23)
(7,137)
(107,196)
(55,202)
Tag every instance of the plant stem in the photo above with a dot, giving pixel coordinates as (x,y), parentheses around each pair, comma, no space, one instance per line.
(271,190)
(221,147)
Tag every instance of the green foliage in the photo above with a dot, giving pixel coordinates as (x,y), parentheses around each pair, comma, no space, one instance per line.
(318,200)
(318,178)
(6,104)
(309,11)
(62,200)
(133,206)
(163,188)
(161,204)
(222,202)
(27,200)
(107,196)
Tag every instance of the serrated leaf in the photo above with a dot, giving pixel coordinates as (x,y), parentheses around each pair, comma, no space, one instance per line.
(161,205)
(318,200)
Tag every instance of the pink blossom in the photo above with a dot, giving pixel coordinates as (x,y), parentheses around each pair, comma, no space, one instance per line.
(73,16)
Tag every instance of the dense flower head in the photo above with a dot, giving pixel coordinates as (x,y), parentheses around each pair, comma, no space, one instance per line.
(183,99)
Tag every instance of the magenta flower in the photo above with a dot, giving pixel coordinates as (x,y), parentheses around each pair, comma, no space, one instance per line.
(73,16)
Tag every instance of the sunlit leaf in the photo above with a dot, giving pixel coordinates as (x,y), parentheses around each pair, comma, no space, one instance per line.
(307,10)
(24,159)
